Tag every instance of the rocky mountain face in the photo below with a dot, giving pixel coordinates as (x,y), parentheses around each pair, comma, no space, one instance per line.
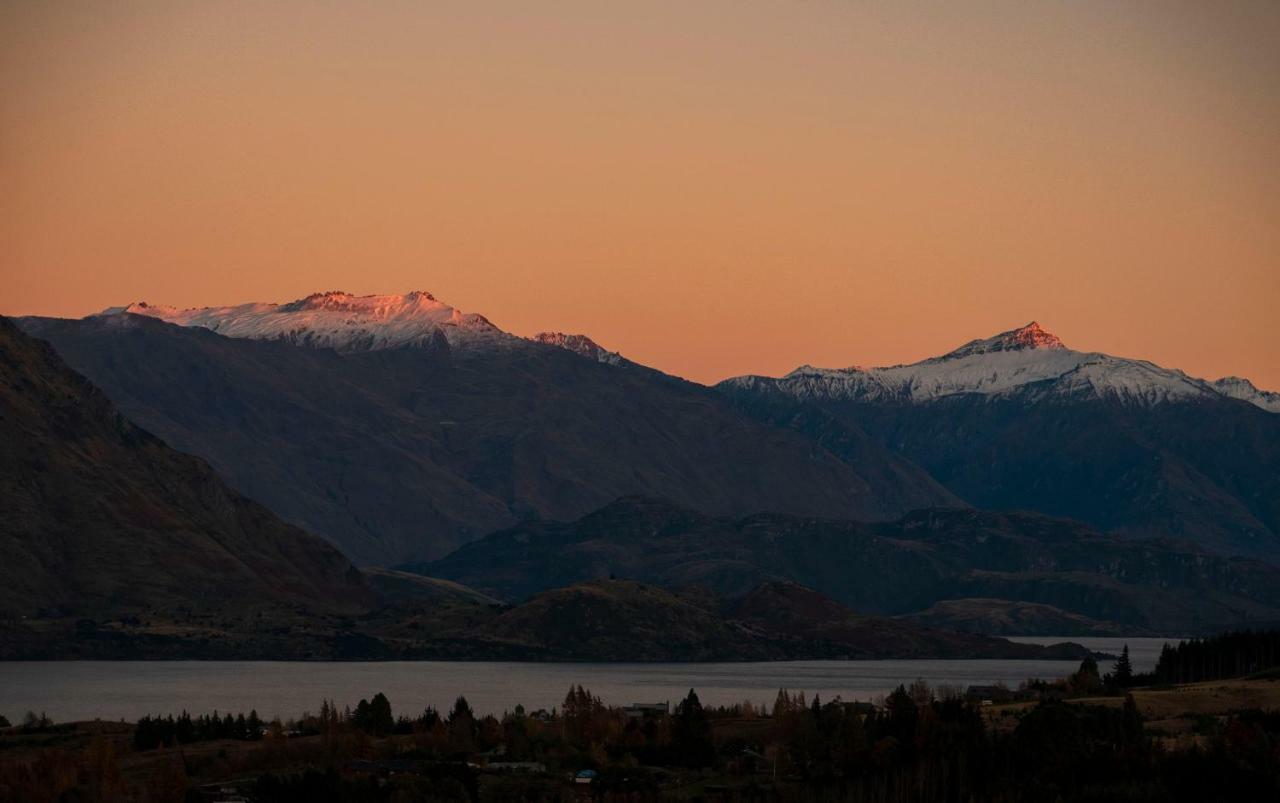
(102,519)
(888,568)
(1020,422)
(580,344)
(402,443)
(1239,388)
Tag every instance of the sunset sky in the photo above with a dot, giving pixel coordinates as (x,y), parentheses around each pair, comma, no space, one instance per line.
(712,188)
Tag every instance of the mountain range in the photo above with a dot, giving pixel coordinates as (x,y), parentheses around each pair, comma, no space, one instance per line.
(485,467)
(1027,362)
(1019,421)
(933,565)
(113,545)
(403,444)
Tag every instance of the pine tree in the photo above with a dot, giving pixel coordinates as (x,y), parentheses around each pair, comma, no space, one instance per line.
(782,705)
(381,721)
(461,725)
(1124,669)
(361,717)
(691,733)
(1086,679)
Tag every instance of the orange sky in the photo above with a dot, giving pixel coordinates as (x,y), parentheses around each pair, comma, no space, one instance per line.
(711,188)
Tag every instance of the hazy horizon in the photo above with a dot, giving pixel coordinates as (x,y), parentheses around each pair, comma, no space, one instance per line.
(712,190)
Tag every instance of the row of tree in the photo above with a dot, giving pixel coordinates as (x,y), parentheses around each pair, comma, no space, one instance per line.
(920,744)
(1230,655)
(153,732)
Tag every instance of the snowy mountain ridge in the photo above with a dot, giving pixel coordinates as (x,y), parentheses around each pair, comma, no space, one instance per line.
(580,344)
(337,320)
(1239,388)
(349,323)
(1027,360)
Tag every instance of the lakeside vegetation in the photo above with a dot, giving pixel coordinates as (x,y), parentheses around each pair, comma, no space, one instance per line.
(1086,737)
(1228,655)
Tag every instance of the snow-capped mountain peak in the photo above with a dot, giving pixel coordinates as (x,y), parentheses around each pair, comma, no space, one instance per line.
(579,344)
(1031,336)
(337,320)
(1240,388)
(1029,361)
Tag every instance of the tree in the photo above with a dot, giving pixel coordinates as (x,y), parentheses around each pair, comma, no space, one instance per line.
(461,725)
(380,715)
(1086,679)
(920,692)
(32,721)
(361,716)
(461,709)
(691,733)
(374,716)
(782,705)
(330,720)
(582,715)
(1124,669)
(4,723)
(904,716)
(430,718)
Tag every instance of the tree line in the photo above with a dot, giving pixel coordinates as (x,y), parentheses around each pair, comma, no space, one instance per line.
(153,732)
(1229,655)
(918,745)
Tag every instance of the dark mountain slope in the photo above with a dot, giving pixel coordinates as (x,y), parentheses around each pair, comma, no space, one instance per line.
(843,438)
(811,624)
(1000,617)
(101,518)
(1206,470)
(619,620)
(880,568)
(402,454)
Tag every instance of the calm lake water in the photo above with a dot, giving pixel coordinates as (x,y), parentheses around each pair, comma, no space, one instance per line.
(76,690)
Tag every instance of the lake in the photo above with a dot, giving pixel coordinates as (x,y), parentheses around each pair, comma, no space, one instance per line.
(77,690)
